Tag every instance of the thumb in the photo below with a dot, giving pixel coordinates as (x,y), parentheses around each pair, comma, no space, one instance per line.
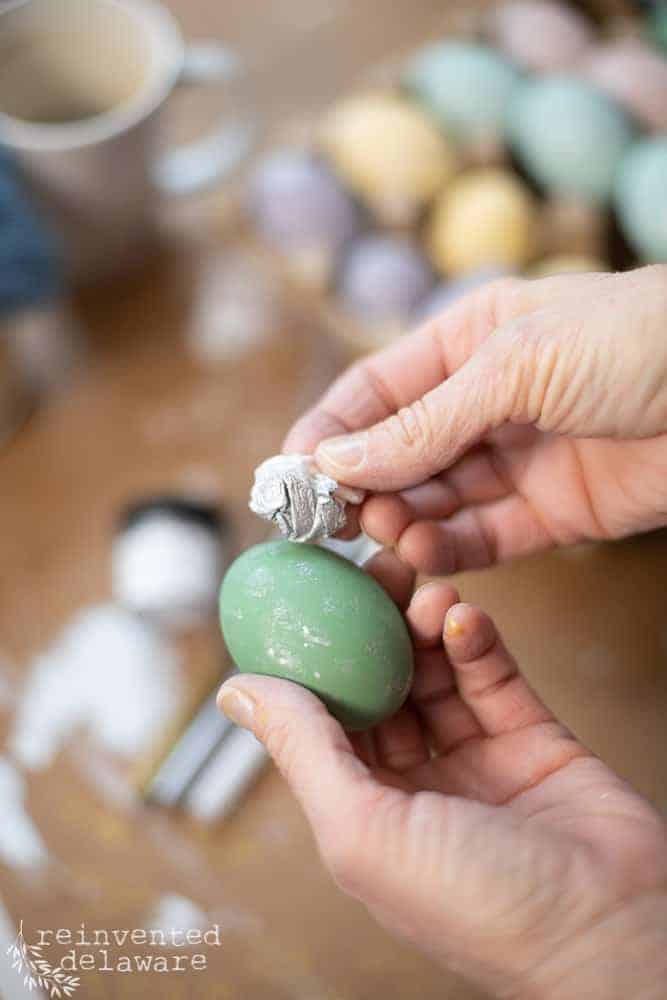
(426,437)
(309,748)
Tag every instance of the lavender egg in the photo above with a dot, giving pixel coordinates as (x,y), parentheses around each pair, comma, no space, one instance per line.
(447,293)
(297,204)
(635,75)
(539,35)
(384,279)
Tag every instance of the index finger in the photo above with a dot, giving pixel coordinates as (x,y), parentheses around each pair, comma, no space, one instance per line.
(380,384)
(372,389)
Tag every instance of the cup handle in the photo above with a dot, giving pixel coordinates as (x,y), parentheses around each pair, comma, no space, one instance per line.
(197,165)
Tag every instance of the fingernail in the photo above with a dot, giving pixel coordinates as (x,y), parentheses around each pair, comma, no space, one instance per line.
(237,706)
(346,452)
(453,627)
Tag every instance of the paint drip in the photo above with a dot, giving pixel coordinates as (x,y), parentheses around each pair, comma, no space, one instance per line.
(110,674)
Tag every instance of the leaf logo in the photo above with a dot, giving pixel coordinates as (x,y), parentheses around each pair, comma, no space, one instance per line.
(36,971)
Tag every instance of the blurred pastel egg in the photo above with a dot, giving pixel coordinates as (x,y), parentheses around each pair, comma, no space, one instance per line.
(298,205)
(384,279)
(388,152)
(485,217)
(640,198)
(635,75)
(566,264)
(568,136)
(656,24)
(465,85)
(572,226)
(540,36)
(447,293)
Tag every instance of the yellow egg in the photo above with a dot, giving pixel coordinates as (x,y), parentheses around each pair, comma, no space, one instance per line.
(566,264)
(388,152)
(485,217)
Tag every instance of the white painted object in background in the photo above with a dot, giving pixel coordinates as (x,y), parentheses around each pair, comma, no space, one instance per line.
(110,674)
(176,913)
(168,569)
(21,845)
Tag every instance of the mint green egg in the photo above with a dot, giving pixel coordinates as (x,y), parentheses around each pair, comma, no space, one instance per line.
(465,85)
(657,25)
(640,198)
(302,613)
(568,136)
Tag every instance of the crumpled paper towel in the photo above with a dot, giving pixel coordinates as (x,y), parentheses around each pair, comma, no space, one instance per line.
(305,504)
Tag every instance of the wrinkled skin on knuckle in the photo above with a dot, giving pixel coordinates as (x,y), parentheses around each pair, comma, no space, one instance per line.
(411,429)
(505,373)
(536,361)
(488,308)
(609,358)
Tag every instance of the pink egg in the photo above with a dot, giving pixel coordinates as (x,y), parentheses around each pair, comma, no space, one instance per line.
(540,35)
(635,75)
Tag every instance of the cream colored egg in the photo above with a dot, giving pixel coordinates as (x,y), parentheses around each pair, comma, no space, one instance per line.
(567,264)
(635,75)
(484,218)
(388,152)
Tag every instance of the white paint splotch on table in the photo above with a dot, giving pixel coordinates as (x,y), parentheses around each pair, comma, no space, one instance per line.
(21,844)
(109,674)
(175,913)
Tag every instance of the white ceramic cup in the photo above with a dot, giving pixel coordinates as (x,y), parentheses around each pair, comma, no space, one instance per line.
(82,84)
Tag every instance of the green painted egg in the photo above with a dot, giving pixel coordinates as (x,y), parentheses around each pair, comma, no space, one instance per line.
(465,85)
(303,613)
(640,198)
(568,136)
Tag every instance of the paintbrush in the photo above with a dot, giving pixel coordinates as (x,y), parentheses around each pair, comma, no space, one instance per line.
(189,755)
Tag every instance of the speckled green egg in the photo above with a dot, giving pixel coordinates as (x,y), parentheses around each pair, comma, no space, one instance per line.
(465,85)
(640,198)
(568,136)
(302,613)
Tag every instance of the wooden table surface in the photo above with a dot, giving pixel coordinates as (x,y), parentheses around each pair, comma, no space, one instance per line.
(589,626)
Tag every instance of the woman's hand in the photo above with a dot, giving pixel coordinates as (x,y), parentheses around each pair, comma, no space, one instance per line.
(533,413)
(473,823)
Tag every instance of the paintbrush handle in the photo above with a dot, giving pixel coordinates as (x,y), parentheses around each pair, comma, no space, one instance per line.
(234,766)
(190,755)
